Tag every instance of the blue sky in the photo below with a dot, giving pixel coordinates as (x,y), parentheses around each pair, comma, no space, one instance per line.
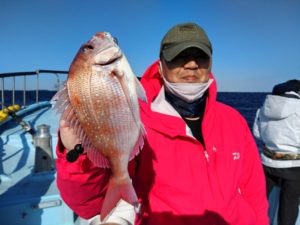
(256,43)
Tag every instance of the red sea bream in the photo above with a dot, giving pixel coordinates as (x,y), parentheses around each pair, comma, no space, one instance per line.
(100,101)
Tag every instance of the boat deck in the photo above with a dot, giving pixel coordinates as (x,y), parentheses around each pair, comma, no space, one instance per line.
(27,197)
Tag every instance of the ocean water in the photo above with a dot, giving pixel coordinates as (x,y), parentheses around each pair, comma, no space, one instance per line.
(245,102)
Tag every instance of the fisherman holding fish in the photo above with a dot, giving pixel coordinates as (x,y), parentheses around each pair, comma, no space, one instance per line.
(180,157)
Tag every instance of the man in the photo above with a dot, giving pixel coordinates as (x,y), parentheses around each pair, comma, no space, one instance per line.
(199,164)
(277,124)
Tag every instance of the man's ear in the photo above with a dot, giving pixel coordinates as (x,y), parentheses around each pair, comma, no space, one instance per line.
(160,69)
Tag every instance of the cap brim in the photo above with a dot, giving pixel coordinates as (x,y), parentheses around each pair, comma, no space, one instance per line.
(170,53)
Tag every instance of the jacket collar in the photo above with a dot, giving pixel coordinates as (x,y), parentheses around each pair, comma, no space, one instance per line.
(168,123)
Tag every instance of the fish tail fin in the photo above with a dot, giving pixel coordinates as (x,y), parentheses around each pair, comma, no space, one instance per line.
(114,193)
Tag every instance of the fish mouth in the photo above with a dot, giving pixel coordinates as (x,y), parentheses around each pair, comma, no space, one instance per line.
(108,62)
(107,56)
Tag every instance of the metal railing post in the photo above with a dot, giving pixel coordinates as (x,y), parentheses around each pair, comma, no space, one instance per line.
(24,92)
(2,94)
(13,91)
(37,87)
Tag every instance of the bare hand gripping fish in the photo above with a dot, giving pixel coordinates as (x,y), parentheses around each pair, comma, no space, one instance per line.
(100,101)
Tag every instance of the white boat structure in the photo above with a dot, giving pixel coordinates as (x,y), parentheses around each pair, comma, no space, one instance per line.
(28,192)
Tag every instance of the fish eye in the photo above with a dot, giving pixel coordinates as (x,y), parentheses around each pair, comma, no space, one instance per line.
(87,47)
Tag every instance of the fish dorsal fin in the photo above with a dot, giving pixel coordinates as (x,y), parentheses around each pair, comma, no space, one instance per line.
(140,90)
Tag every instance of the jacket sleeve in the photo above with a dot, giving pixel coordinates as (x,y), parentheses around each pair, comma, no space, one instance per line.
(81,184)
(252,185)
(255,128)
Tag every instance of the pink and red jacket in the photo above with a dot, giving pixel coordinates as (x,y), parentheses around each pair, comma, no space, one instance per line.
(180,181)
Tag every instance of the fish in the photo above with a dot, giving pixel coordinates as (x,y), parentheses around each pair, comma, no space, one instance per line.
(100,102)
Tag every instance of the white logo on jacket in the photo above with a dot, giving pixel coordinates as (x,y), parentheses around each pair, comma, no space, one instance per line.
(236,155)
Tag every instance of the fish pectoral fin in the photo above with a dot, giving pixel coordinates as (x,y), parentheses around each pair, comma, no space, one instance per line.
(141,93)
(114,193)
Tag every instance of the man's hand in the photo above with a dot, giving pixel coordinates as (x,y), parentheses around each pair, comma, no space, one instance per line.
(67,135)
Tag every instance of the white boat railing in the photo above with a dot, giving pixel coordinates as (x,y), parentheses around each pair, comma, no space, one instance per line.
(13,76)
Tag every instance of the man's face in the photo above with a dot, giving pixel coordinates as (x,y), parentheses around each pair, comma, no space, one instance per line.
(190,66)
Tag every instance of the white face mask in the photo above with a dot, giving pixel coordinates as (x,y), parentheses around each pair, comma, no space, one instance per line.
(188,92)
